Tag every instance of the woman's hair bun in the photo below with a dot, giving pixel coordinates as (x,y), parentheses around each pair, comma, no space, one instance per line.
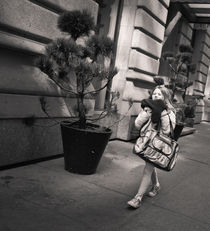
(159,81)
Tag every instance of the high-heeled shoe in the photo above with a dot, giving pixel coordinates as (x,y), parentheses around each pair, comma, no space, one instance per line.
(135,202)
(154,191)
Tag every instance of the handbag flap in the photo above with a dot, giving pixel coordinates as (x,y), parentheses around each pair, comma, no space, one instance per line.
(162,144)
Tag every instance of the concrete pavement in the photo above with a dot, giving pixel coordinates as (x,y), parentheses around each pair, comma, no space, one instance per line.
(44,196)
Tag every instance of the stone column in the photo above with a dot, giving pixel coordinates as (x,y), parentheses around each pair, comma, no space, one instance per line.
(139,49)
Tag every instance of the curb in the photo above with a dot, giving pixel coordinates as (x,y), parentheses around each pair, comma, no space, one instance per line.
(188,131)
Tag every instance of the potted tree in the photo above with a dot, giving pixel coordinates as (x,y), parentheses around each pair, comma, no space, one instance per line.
(73,66)
(190,112)
(181,66)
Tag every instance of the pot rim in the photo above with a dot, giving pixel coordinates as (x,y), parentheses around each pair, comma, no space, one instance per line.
(97,128)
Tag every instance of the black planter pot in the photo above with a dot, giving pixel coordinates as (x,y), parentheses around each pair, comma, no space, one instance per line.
(178,130)
(83,148)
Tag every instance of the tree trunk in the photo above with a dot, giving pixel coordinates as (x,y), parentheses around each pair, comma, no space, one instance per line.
(81,109)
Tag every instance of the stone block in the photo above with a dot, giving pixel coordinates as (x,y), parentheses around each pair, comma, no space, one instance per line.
(124,128)
(32,19)
(143,62)
(198,93)
(123,131)
(199,108)
(25,16)
(89,5)
(186,30)
(202,68)
(202,78)
(206,116)
(123,47)
(128,16)
(122,57)
(198,47)
(156,8)
(22,106)
(133,92)
(17,42)
(26,80)
(148,23)
(184,40)
(206,39)
(17,77)
(198,117)
(200,103)
(125,37)
(20,142)
(207,109)
(206,49)
(131,74)
(130,2)
(146,43)
(136,108)
(207,89)
(118,82)
(204,59)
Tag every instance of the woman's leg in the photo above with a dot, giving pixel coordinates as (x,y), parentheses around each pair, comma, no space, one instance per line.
(155,184)
(146,179)
(145,182)
(154,177)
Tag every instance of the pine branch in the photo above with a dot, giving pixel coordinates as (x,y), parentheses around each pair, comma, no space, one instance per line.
(63,88)
(109,109)
(94,92)
(173,68)
(100,116)
(122,117)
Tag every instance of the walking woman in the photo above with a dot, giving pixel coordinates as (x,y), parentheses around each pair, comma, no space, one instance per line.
(160,112)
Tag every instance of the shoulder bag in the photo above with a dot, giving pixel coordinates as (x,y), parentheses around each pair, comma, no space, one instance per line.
(160,150)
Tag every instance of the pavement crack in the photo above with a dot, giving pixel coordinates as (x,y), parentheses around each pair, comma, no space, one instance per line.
(112,190)
(178,213)
(98,185)
(198,161)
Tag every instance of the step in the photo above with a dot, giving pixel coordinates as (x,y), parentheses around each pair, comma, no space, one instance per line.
(187,131)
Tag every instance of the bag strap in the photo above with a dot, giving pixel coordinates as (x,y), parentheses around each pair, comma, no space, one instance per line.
(159,126)
(171,127)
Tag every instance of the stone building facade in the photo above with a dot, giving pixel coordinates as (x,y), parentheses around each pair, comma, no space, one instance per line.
(138,30)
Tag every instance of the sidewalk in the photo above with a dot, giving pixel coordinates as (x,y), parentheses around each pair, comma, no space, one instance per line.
(44,196)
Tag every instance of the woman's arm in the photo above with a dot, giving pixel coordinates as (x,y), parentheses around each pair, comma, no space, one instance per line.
(143,117)
(165,122)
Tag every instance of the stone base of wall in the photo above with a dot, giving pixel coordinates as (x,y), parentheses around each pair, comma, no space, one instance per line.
(35,139)
(21,142)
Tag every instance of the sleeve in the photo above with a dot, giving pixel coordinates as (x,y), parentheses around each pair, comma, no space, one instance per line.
(143,117)
(165,122)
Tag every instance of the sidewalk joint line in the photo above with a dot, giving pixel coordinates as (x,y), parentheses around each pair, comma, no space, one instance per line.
(178,213)
(201,162)
(79,178)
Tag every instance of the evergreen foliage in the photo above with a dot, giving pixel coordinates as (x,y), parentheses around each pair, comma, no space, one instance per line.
(65,56)
(181,66)
(76,23)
